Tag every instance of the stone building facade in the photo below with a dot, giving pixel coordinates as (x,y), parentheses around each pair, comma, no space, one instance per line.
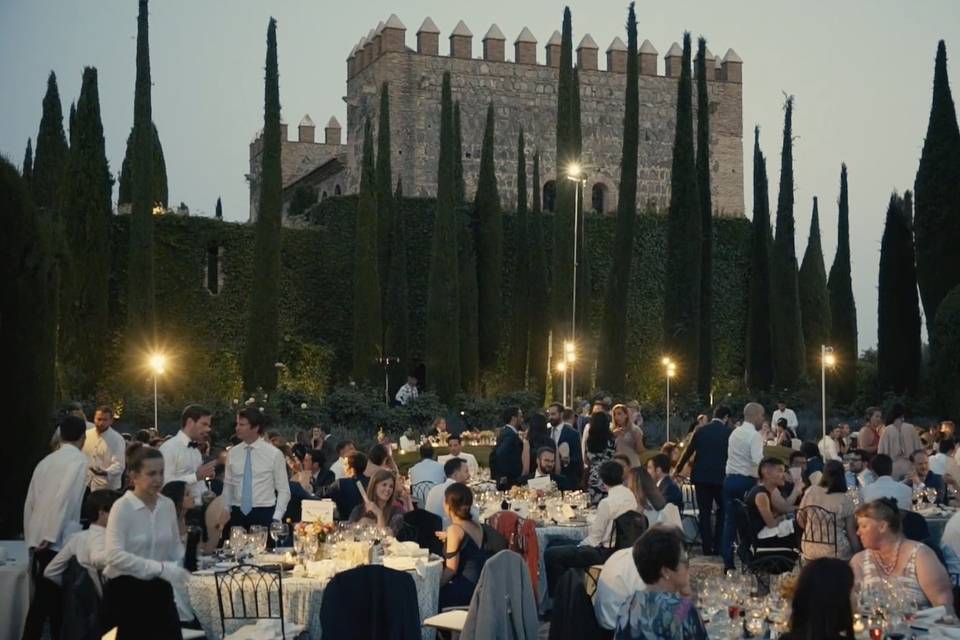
(523,93)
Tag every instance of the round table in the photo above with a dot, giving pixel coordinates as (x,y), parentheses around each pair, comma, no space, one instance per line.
(15,587)
(302,598)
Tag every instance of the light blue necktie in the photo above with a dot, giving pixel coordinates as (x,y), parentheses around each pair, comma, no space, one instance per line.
(246,489)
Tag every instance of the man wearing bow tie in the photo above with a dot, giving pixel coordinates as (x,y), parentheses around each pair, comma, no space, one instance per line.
(182,459)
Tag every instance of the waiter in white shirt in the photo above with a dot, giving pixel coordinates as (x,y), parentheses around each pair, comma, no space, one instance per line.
(182,459)
(744,453)
(782,411)
(106,451)
(51,513)
(255,484)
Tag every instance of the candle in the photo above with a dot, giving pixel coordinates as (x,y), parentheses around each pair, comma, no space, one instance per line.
(858,626)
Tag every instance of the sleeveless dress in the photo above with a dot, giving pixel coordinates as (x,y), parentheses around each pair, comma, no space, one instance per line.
(594,484)
(906,583)
(459,590)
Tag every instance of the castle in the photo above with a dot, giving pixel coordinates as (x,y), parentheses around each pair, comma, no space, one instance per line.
(523,92)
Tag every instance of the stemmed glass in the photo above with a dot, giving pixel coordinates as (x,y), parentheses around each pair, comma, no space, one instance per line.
(237,536)
(299,546)
(278,532)
(257,539)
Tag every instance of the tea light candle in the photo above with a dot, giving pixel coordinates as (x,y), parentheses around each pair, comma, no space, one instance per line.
(858,626)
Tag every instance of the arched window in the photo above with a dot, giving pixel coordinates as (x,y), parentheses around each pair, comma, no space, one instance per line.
(599,197)
(323,195)
(336,190)
(550,196)
(214,276)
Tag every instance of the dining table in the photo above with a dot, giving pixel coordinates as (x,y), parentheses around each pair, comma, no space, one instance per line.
(14,587)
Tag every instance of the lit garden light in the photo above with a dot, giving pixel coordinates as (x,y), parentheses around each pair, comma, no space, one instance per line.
(158,365)
(575,174)
(670,369)
(828,360)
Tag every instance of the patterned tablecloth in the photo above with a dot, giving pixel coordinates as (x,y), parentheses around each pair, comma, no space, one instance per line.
(302,598)
(554,535)
(15,587)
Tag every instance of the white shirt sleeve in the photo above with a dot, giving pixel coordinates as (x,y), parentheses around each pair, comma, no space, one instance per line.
(58,565)
(756,448)
(598,530)
(119,560)
(175,463)
(118,458)
(62,515)
(282,485)
(228,481)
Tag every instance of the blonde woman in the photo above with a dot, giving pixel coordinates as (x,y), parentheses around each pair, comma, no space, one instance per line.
(628,437)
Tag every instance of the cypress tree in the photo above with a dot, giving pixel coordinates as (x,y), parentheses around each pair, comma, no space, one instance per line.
(396,313)
(539,291)
(141,310)
(814,298)
(86,213)
(384,190)
(945,353)
(159,168)
(759,341)
(467,264)
(50,158)
(443,300)
(705,373)
(489,249)
(898,305)
(367,328)
(584,347)
(681,308)
(459,190)
(218,212)
(520,330)
(937,191)
(612,369)
(263,332)
(788,349)
(27,170)
(72,121)
(843,310)
(28,306)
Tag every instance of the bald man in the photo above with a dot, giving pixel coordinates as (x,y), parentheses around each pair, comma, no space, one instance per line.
(744,453)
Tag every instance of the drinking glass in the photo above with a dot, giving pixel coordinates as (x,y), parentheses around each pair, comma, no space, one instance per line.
(237,535)
(258,539)
(278,532)
(299,544)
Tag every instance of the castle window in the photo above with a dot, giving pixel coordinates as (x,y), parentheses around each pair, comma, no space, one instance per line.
(336,190)
(599,197)
(323,195)
(214,276)
(550,196)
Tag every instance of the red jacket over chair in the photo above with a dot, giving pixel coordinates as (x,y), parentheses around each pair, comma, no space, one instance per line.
(521,535)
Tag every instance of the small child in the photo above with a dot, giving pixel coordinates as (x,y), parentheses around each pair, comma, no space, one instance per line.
(87,546)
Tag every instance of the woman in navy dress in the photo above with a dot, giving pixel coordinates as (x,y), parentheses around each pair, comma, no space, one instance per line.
(464,554)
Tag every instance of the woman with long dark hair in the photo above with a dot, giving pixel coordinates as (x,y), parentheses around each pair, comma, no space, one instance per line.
(598,448)
(822,607)
(829,494)
(538,436)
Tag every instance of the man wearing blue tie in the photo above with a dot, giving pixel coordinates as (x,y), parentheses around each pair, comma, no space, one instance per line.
(255,484)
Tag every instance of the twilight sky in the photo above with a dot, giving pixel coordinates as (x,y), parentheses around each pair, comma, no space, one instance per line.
(861,72)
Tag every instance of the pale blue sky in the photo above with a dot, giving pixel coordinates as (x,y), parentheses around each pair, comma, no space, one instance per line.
(861,72)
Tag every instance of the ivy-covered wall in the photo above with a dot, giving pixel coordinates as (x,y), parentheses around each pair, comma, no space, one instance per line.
(204,332)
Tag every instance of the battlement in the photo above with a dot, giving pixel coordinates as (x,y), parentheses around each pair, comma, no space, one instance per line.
(390,36)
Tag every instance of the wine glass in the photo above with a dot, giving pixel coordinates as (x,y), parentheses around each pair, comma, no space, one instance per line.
(278,532)
(299,545)
(237,535)
(258,539)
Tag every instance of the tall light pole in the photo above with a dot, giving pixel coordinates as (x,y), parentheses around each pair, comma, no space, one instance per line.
(385,362)
(158,363)
(670,368)
(569,360)
(827,360)
(562,370)
(575,174)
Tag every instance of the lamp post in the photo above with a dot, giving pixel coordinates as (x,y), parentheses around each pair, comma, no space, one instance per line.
(827,360)
(158,363)
(575,174)
(385,362)
(562,370)
(671,370)
(569,360)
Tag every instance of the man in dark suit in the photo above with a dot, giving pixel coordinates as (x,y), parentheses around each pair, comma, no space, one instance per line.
(546,463)
(571,466)
(506,459)
(709,444)
(659,469)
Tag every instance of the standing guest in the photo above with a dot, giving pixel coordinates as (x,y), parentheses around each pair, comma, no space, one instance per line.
(898,440)
(546,467)
(829,494)
(182,460)
(51,514)
(455,470)
(830,444)
(320,439)
(144,556)
(708,450)
(598,448)
(87,546)
(744,453)
(381,505)
(464,556)
(255,484)
(628,437)
(767,509)
(822,604)
(506,459)
(344,449)
(428,469)
(455,448)
(921,475)
(782,411)
(868,438)
(408,391)
(567,439)
(538,436)
(659,469)
(885,486)
(664,609)
(106,451)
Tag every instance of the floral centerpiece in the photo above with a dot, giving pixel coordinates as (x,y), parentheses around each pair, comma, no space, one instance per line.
(317,530)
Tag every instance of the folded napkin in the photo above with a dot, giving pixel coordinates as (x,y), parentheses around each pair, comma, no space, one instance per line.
(404,564)
(321,569)
(932,613)
(266,630)
(407,549)
(785,528)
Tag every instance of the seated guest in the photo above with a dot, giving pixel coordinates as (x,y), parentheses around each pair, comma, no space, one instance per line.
(344,449)
(649,499)
(86,546)
(830,494)
(428,469)
(144,555)
(950,544)
(314,463)
(546,464)
(814,462)
(830,445)
(662,611)
(944,462)
(456,471)
(889,557)
(922,475)
(885,486)
(617,583)
(380,458)
(381,503)
(659,469)
(795,475)
(182,500)
(215,519)
(300,490)
(767,509)
(858,474)
(345,492)
(598,545)
(821,605)
(438,429)
(783,435)
(455,447)
(463,548)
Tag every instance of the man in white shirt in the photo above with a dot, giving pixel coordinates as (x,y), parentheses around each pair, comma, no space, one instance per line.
(885,486)
(455,447)
(829,446)
(618,581)
(106,452)
(255,484)
(408,391)
(182,459)
(425,474)
(783,412)
(456,470)
(88,547)
(51,513)
(344,449)
(597,546)
(744,453)
(944,462)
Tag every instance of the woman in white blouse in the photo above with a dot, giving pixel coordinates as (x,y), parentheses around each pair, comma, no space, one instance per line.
(144,555)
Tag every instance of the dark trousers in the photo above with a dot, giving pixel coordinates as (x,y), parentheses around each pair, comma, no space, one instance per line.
(262,516)
(558,559)
(735,487)
(708,495)
(140,609)
(46,599)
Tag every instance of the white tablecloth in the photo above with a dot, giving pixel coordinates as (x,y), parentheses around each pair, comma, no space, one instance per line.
(14,589)
(554,535)
(302,598)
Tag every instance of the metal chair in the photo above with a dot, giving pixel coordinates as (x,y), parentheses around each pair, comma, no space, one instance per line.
(762,562)
(419,491)
(690,514)
(243,587)
(819,528)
